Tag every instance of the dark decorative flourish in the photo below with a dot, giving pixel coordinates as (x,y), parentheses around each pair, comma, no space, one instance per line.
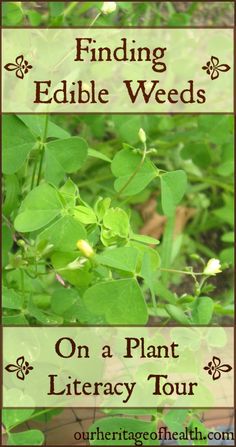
(22,368)
(21,67)
(213,67)
(215,368)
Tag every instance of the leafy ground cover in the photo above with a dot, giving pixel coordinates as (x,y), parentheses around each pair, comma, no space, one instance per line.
(96,205)
(61,242)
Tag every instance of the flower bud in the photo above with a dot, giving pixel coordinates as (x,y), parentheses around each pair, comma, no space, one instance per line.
(85,248)
(108,7)
(142,136)
(212,268)
(21,243)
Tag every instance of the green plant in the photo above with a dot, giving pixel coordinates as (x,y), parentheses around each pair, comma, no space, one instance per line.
(53,216)
(68,258)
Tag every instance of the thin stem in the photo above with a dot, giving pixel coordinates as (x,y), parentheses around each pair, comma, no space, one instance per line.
(181,272)
(154,303)
(44,139)
(211,181)
(69,9)
(40,165)
(34,172)
(95,180)
(45,132)
(95,19)
(167,245)
(137,169)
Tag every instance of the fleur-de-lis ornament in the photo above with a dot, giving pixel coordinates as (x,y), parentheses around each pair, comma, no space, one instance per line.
(213,67)
(215,368)
(22,368)
(21,67)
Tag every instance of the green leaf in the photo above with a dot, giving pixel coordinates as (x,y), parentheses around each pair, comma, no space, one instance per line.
(116,220)
(101,206)
(36,123)
(96,154)
(62,300)
(11,299)
(123,258)
(198,426)
(129,425)
(64,233)
(64,156)
(85,215)
(202,310)
(175,419)
(226,213)
(69,191)
(44,317)
(128,127)
(56,8)
(35,18)
(13,320)
(12,190)
(177,314)
(199,153)
(226,168)
(144,239)
(124,164)
(29,437)
(217,129)
(12,13)
(173,187)
(13,416)
(152,254)
(38,209)
(179,19)
(121,302)
(227,255)
(17,143)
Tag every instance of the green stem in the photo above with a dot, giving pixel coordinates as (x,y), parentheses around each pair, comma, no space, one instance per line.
(95,180)
(45,132)
(183,272)
(69,8)
(211,181)
(95,19)
(34,172)
(40,165)
(154,303)
(44,139)
(137,169)
(167,246)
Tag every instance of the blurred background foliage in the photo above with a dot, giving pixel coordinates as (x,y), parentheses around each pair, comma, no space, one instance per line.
(167,13)
(200,145)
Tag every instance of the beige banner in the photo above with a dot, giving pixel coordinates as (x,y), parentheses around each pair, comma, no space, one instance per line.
(133,70)
(118,367)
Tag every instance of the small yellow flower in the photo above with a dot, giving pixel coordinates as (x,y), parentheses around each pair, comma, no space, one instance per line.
(108,7)
(85,248)
(142,136)
(212,268)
